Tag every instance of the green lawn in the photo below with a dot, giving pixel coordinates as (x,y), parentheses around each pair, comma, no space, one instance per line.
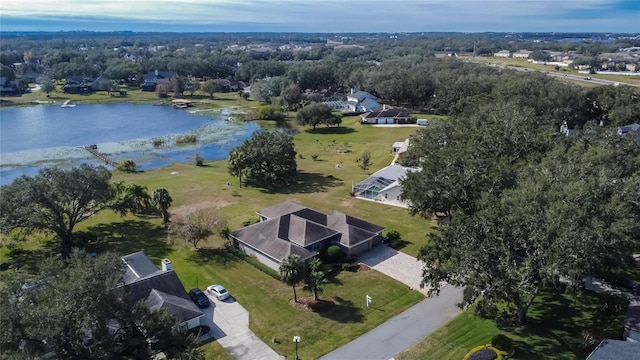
(266,298)
(553,332)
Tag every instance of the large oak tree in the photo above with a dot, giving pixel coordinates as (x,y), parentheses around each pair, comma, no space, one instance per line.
(56,200)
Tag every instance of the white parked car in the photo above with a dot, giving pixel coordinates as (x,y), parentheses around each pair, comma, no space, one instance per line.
(218,291)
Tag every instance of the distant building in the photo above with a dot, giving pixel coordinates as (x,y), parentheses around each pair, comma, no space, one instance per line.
(151,79)
(522,54)
(502,54)
(632,128)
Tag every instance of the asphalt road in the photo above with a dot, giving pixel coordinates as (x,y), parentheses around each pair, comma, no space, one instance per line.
(402,331)
(579,77)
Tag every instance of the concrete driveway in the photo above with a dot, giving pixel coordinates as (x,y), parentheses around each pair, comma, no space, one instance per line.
(229,323)
(396,265)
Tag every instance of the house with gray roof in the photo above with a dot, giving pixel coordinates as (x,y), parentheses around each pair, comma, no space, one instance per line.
(632,321)
(158,288)
(610,349)
(632,128)
(384,185)
(387,116)
(361,101)
(151,79)
(291,228)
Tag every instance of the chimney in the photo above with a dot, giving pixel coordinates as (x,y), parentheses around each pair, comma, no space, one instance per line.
(156,72)
(353,90)
(166,264)
(384,106)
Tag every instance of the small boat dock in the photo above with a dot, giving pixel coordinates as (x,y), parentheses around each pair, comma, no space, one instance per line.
(93,149)
(181,103)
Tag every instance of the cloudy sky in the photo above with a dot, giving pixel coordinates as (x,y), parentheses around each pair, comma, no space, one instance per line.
(322,15)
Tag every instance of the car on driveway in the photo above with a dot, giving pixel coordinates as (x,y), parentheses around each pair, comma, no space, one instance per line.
(199,297)
(218,291)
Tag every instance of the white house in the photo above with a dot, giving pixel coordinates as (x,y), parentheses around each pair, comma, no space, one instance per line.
(361,101)
(385,185)
(522,54)
(502,54)
(386,116)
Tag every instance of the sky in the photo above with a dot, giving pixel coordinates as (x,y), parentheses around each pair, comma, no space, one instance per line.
(327,16)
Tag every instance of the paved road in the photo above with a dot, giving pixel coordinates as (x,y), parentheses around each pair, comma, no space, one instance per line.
(402,331)
(578,77)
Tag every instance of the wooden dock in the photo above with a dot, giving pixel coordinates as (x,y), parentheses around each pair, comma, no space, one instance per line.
(103,157)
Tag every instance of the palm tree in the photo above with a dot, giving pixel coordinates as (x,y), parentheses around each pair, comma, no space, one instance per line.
(137,198)
(291,272)
(315,278)
(162,200)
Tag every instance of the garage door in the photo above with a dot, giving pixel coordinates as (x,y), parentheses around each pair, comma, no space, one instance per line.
(389,121)
(382,121)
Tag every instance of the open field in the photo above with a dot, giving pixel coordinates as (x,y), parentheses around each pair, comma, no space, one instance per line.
(553,332)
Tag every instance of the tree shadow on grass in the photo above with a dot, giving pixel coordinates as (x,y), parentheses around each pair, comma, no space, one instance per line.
(306,183)
(130,236)
(205,256)
(555,325)
(331,130)
(344,311)
(31,259)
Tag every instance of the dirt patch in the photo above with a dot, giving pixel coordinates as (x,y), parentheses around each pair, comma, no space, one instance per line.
(363,267)
(188,209)
(309,304)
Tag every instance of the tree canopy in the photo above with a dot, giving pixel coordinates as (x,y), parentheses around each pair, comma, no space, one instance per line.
(56,200)
(524,208)
(315,114)
(267,159)
(76,309)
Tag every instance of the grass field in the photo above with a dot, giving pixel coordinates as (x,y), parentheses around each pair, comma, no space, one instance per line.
(266,298)
(553,332)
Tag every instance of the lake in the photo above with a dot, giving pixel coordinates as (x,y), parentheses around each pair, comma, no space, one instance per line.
(40,136)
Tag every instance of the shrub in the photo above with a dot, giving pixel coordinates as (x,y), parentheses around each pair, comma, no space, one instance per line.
(126,165)
(158,142)
(334,252)
(186,139)
(254,262)
(199,159)
(394,239)
(270,112)
(502,342)
(347,267)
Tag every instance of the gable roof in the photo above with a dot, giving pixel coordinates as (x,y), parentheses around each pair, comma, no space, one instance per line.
(138,266)
(387,113)
(152,76)
(632,319)
(629,128)
(361,96)
(284,208)
(271,237)
(160,289)
(610,349)
(354,230)
(184,309)
(291,228)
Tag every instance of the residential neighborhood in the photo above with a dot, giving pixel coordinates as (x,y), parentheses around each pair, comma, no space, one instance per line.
(319,195)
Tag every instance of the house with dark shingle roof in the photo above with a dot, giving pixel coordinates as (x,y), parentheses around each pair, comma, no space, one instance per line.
(151,79)
(610,349)
(292,228)
(158,288)
(387,116)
